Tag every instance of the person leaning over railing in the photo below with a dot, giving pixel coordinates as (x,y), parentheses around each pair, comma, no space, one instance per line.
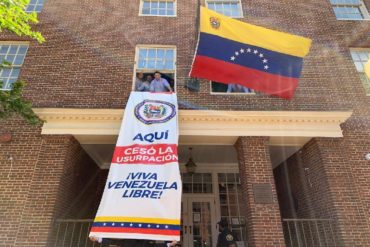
(140,84)
(159,84)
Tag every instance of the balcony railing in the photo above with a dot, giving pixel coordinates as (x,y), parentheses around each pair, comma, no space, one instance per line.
(73,233)
(309,233)
(297,233)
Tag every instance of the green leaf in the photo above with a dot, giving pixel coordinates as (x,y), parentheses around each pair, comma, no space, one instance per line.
(11,102)
(14,18)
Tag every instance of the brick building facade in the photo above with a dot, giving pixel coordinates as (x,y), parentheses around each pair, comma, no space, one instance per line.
(308,151)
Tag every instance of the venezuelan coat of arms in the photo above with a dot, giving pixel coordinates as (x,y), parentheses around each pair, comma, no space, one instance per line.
(154,111)
(215,22)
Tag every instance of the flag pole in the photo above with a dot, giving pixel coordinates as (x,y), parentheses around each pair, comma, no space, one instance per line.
(197,20)
(197,27)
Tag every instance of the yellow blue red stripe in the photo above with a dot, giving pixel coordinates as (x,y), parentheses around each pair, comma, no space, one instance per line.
(231,51)
(137,220)
(250,56)
(136,225)
(140,225)
(246,33)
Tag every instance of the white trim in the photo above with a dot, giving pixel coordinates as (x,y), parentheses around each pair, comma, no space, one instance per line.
(14,43)
(232,168)
(360,49)
(364,11)
(164,71)
(17,44)
(201,123)
(235,17)
(37,3)
(174,9)
(361,73)
(362,7)
(188,217)
(353,19)
(353,51)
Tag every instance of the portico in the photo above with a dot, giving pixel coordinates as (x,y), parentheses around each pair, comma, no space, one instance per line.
(235,153)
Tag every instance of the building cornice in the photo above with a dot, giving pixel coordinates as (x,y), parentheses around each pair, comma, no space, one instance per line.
(103,122)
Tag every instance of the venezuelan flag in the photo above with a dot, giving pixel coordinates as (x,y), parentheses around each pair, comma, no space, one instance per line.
(231,51)
(367,69)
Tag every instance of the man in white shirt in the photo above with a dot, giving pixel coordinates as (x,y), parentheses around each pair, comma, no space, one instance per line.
(159,84)
(140,84)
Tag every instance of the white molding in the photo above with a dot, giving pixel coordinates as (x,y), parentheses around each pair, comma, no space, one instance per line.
(93,124)
(15,42)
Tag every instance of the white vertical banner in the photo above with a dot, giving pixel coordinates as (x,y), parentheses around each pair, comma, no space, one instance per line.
(142,196)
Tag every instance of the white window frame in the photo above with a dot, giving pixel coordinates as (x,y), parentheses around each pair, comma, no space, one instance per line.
(37,1)
(174,8)
(229,94)
(362,7)
(14,66)
(361,72)
(174,71)
(236,1)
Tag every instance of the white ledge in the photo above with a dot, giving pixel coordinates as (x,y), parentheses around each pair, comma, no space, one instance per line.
(87,123)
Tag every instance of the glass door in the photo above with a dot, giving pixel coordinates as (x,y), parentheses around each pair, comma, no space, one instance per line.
(198,222)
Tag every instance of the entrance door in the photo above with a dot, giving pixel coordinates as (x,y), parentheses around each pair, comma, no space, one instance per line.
(198,222)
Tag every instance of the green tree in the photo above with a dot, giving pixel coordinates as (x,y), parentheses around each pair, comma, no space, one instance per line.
(11,102)
(14,18)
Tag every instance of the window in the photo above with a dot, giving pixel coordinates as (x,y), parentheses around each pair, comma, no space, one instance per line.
(35,6)
(156,58)
(158,7)
(231,8)
(231,203)
(13,54)
(349,9)
(197,183)
(221,88)
(360,57)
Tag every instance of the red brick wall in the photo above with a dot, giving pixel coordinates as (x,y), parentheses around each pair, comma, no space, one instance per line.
(88,58)
(263,220)
(294,176)
(51,177)
(16,178)
(357,146)
(88,61)
(78,188)
(333,187)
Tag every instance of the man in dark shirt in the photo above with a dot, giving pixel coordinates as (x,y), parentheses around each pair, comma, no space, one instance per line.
(225,237)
